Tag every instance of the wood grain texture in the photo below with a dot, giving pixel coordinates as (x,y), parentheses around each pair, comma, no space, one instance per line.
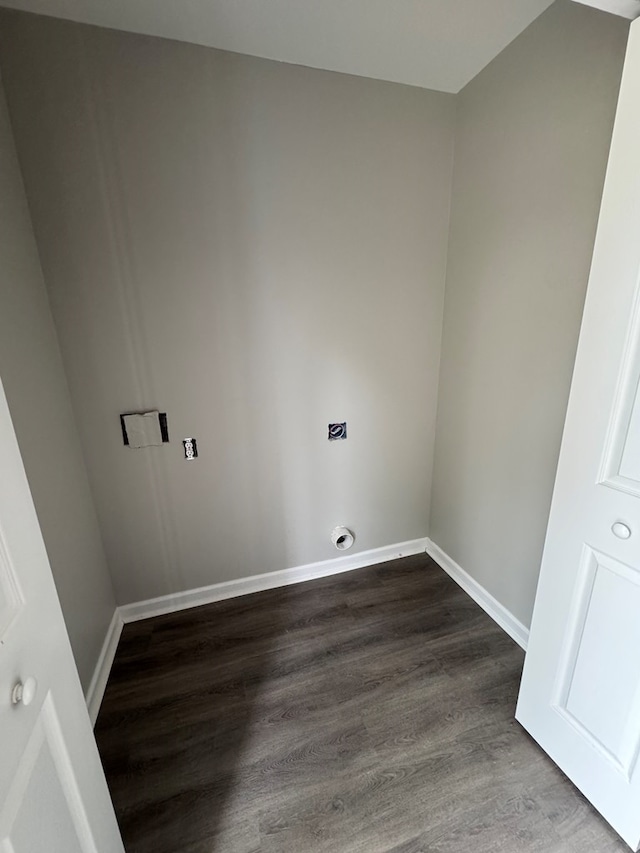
(370,711)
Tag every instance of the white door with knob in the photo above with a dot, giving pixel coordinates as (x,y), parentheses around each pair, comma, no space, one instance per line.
(580,692)
(53,794)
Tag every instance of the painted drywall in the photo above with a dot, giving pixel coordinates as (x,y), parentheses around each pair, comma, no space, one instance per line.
(35,385)
(258,250)
(532,138)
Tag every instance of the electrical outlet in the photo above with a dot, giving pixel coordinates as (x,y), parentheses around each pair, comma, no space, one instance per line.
(190,449)
(337,432)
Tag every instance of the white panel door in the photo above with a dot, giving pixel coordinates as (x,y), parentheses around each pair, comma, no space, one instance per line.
(53,794)
(580,692)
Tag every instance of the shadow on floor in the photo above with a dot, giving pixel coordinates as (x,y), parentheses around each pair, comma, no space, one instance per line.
(176,714)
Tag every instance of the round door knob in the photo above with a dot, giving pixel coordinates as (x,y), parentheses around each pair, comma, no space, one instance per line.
(24,692)
(622,531)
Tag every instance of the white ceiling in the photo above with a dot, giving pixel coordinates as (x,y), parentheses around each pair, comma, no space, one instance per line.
(625,8)
(437,44)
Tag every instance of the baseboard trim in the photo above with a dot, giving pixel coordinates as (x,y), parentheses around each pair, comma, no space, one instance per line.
(270,580)
(498,612)
(285,577)
(95,691)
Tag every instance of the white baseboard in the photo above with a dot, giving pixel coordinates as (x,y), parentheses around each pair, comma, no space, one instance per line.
(98,684)
(284,577)
(270,580)
(498,612)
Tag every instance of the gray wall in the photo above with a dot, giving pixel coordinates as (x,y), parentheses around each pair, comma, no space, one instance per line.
(258,249)
(532,138)
(36,389)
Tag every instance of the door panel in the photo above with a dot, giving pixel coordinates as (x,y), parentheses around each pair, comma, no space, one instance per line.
(621,458)
(44,801)
(580,691)
(599,681)
(53,794)
(11,600)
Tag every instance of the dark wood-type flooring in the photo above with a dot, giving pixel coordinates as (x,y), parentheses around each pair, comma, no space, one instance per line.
(369,712)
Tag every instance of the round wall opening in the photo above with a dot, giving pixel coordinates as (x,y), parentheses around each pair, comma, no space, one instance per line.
(342,538)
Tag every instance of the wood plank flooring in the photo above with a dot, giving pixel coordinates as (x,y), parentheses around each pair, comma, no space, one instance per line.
(369,712)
